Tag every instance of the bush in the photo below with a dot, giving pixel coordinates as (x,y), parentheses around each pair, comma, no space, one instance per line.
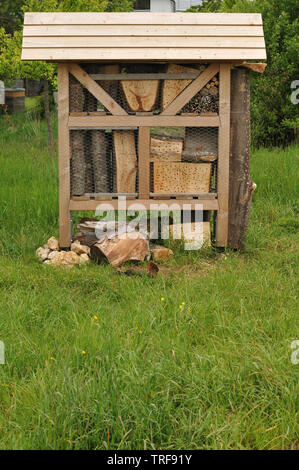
(274,117)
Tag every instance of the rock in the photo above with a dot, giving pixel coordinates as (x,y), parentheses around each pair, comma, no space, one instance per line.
(66,258)
(47,261)
(42,253)
(76,247)
(84,259)
(53,244)
(53,254)
(160,252)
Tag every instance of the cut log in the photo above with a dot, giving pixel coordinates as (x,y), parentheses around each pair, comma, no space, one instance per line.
(241,186)
(186,178)
(125,160)
(166,149)
(117,251)
(141,95)
(172,88)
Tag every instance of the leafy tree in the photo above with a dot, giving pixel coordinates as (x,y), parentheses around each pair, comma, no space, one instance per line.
(274,117)
(11,65)
(11,14)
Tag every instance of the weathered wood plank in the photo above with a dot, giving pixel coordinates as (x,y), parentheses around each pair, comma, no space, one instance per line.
(64,157)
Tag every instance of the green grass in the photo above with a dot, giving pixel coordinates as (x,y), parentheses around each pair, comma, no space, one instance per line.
(215,375)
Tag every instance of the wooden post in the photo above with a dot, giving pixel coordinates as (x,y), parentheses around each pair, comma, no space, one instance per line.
(241,184)
(223,155)
(144,162)
(64,157)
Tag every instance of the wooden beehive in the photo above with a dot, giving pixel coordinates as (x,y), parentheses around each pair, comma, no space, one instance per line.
(142,92)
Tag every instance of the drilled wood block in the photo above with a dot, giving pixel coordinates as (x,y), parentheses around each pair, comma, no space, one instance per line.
(166,149)
(176,177)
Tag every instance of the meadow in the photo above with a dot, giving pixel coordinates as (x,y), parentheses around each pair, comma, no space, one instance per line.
(198,358)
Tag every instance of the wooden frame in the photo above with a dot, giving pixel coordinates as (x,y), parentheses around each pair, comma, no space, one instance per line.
(223,155)
(64,156)
(119,119)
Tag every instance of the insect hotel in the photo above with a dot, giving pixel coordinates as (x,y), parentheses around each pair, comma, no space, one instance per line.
(154,107)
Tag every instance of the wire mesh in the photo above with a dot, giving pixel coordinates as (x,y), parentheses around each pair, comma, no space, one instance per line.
(105,161)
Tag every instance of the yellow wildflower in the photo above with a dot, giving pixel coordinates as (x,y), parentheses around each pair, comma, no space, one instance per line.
(83,352)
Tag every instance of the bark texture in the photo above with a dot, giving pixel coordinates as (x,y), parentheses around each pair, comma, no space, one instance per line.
(241,186)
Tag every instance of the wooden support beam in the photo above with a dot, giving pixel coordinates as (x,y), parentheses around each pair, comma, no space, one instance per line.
(146,121)
(223,155)
(241,186)
(96,90)
(92,204)
(64,157)
(191,90)
(144,76)
(144,139)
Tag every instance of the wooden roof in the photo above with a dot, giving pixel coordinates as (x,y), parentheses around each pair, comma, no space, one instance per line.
(109,37)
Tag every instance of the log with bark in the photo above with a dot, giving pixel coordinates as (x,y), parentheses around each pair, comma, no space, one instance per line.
(241,186)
